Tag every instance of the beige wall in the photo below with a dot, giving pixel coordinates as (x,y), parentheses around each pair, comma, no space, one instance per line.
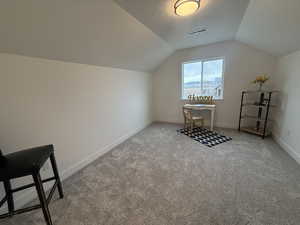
(83,110)
(242,64)
(287,123)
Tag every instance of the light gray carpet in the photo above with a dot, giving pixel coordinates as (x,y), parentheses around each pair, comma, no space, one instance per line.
(159,177)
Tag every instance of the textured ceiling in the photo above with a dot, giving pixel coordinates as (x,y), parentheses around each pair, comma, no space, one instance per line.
(96,32)
(221,18)
(272,25)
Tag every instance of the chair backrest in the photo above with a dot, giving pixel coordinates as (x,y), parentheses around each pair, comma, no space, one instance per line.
(187,113)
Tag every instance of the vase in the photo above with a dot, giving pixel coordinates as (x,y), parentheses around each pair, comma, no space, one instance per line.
(260,85)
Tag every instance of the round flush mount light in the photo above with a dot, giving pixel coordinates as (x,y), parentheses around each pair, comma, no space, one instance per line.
(186,7)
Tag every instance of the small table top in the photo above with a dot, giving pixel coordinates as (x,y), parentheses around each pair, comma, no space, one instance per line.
(199,106)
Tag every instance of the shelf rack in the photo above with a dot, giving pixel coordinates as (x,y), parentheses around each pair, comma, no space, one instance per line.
(263,106)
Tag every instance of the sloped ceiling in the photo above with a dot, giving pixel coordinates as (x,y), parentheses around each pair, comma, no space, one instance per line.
(269,25)
(221,18)
(140,34)
(272,25)
(96,32)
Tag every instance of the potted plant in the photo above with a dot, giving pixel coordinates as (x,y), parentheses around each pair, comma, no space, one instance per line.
(260,80)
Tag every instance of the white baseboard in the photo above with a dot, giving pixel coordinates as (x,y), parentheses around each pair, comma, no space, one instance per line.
(289,149)
(168,122)
(83,163)
(207,123)
(225,125)
(29,195)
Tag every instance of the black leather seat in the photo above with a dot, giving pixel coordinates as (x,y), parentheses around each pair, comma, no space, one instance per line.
(25,163)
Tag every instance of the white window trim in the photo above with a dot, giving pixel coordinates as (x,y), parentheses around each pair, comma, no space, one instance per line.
(202,60)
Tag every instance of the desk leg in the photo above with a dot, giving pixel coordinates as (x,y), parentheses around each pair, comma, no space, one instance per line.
(212,120)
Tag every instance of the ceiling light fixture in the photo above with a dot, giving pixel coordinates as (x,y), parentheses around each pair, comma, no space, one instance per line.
(186,7)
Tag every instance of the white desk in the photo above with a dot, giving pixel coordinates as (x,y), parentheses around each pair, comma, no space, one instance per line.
(199,107)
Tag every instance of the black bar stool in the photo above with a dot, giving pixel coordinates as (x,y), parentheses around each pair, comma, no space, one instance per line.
(25,163)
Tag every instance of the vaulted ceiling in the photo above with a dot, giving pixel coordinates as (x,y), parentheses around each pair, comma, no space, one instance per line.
(221,18)
(96,32)
(272,26)
(140,34)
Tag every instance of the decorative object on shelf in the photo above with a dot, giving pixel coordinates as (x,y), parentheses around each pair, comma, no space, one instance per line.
(193,99)
(263,106)
(186,7)
(205,136)
(260,80)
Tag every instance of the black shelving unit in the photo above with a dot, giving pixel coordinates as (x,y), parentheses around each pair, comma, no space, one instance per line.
(261,101)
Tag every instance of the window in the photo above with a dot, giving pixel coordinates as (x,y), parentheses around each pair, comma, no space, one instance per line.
(203,78)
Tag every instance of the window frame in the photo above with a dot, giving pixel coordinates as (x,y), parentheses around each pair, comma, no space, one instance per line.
(202,60)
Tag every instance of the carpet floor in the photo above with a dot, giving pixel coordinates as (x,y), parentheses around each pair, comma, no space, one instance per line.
(160,177)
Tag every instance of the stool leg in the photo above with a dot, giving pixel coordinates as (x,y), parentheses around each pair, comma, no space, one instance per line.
(10,200)
(43,201)
(56,174)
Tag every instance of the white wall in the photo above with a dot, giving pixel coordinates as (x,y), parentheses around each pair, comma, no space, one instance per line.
(242,65)
(287,123)
(83,110)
